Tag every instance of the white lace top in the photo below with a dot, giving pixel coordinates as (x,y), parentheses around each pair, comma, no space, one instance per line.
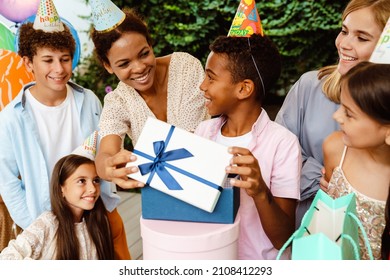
(37,242)
(125,111)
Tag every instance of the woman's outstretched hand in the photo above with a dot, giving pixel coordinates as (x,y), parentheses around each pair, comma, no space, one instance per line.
(117,169)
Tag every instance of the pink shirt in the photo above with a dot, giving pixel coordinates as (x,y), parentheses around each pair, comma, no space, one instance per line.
(278,153)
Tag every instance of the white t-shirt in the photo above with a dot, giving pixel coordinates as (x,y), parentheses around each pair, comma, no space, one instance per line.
(58,127)
(239,141)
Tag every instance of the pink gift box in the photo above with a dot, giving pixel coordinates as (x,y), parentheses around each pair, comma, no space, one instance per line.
(171,240)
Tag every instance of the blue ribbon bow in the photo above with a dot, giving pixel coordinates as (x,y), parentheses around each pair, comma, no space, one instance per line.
(159,164)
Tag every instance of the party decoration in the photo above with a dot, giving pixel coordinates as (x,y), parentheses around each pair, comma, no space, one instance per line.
(108,89)
(47,18)
(7,38)
(18,10)
(246,21)
(75,35)
(88,148)
(106,15)
(381,54)
(13,76)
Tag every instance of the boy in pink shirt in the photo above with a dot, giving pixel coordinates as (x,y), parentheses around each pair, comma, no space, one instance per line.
(267,157)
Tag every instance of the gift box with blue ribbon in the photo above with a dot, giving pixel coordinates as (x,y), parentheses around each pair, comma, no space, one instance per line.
(157,205)
(180,164)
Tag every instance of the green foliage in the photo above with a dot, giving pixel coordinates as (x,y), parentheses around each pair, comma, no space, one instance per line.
(92,75)
(184,25)
(304,32)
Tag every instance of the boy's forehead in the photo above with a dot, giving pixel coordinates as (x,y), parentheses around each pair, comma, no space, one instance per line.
(217,61)
(217,65)
(50,51)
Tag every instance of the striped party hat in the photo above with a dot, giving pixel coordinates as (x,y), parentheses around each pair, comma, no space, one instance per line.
(88,148)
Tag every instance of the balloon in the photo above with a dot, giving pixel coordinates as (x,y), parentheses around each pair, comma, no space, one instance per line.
(7,38)
(75,35)
(18,10)
(13,76)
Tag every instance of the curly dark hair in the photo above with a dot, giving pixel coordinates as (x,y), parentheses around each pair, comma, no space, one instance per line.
(103,41)
(30,40)
(240,50)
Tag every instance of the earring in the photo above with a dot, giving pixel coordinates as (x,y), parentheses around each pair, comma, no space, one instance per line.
(387,137)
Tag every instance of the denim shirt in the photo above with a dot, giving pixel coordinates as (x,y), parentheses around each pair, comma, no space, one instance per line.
(24,177)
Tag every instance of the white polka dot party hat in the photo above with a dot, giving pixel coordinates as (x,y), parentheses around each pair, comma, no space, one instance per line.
(47,18)
(106,15)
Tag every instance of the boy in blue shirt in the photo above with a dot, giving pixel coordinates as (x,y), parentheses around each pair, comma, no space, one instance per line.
(47,120)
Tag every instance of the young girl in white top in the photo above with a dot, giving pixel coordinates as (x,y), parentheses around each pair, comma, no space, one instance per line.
(357,158)
(77,227)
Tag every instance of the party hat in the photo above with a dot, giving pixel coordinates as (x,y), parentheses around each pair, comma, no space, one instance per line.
(47,18)
(381,53)
(88,148)
(246,21)
(106,15)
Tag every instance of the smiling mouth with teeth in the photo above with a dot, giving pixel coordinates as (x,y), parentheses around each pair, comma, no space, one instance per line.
(89,198)
(347,58)
(59,78)
(140,79)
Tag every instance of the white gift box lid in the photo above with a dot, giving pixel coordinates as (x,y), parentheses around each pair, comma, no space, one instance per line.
(200,175)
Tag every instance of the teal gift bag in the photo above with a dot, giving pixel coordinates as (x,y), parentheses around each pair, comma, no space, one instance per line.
(329,231)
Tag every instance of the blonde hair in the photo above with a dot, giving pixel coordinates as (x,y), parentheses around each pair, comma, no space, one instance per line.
(381,11)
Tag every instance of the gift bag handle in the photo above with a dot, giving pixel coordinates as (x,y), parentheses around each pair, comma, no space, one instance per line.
(289,241)
(354,245)
(345,236)
(359,224)
(286,244)
(365,237)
